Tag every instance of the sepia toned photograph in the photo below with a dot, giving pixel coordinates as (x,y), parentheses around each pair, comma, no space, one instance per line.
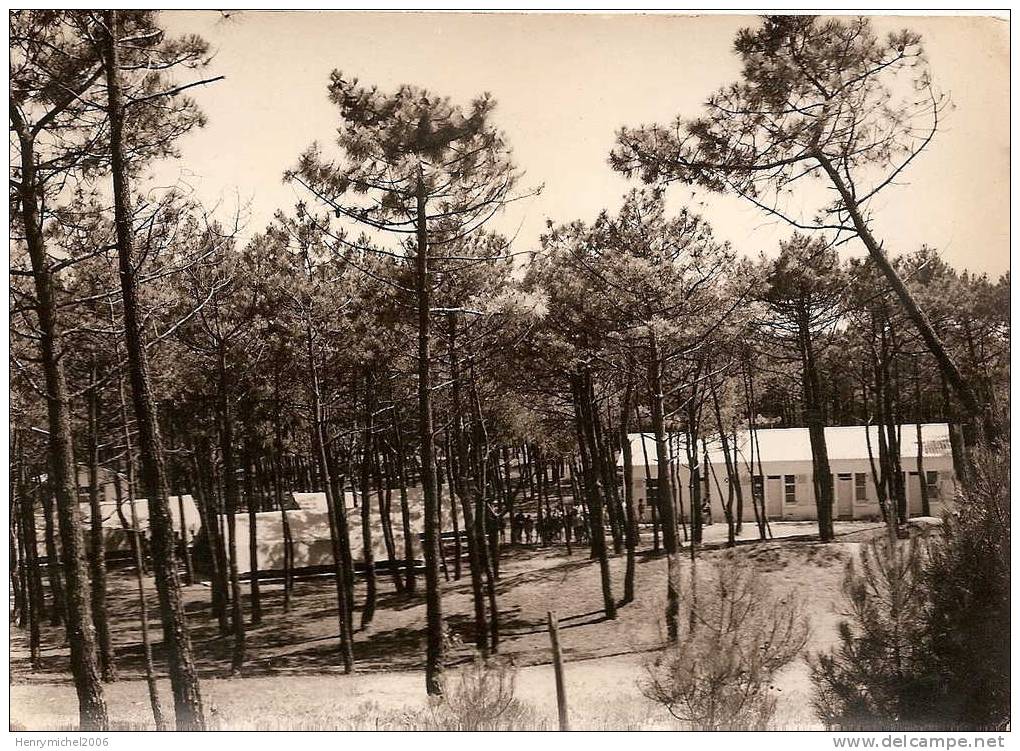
(509,371)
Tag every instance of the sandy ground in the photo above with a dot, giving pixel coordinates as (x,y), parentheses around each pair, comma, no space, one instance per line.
(291,678)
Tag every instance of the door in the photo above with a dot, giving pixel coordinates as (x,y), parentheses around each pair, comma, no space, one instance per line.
(774,496)
(844,496)
(913,494)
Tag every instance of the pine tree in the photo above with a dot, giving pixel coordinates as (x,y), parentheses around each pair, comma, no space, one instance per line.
(416,165)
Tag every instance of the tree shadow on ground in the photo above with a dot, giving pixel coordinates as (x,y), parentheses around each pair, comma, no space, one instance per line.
(305,638)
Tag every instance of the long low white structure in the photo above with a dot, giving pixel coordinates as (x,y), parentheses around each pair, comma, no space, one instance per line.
(785,472)
(309,528)
(114,519)
(117,525)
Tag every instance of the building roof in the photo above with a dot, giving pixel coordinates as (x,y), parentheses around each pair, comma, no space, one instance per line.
(844,443)
(317,501)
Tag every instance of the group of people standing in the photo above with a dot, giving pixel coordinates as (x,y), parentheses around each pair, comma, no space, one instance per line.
(553,526)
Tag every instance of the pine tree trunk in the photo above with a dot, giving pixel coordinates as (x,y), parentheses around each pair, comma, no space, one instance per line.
(384,496)
(78,612)
(919,418)
(231,497)
(737,486)
(26,508)
(876,477)
(652,502)
(189,568)
(62,480)
(288,541)
(665,494)
(451,473)
(498,489)
(143,607)
(949,369)
(673,445)
(538,475)
(957,444)
(586,442)
(185,549)
(205,485)
(734,480)
(367,451)
(16,568)
(334,478)
(435,647)
(696,479)
(97,559)
(628,490)
(183,678)
(19,569)
(288,537)
(576,492)
(515,532)
(410,580)
(558,483)
(821,472)
(53,558)
(893,474)
(757,488)
(439,505)
(336,509)
(617,524)
(488,545)
(527,476)
(343,575)
(463,488)
(253,536)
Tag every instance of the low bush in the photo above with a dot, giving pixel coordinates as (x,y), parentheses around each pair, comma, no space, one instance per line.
(734,637)
(479,696)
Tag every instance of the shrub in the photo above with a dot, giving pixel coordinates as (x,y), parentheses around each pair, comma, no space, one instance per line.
(926,643)
(880,673)
(734,638)
(479,696)
(968,579)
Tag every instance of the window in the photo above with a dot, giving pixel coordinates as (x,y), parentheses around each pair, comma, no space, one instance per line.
(860,486)
(932,481)
(791,488)
(758,487)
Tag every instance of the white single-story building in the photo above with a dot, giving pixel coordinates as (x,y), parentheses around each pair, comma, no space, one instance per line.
(785,471)
(117,524)
(309,529)
(114,519)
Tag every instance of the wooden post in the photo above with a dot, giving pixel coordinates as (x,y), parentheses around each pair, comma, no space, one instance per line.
(561,690)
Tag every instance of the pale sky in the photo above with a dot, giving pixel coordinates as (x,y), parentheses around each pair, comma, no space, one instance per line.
(564,83)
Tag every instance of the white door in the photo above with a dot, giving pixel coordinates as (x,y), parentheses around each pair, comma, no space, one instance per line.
(774,496)
(844,496)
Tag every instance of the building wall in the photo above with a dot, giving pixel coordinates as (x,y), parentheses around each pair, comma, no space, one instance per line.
(847,503)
